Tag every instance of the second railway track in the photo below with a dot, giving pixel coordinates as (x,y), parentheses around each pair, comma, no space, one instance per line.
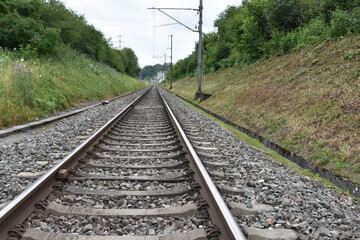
(137,178)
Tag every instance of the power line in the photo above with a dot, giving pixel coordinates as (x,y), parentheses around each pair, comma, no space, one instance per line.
(181,37)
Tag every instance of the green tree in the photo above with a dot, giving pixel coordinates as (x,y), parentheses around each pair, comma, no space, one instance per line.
(149,72)
(71,25)
(17,30)
(38,26)
(284,15)
(327,7)
(252,41)
(131,62)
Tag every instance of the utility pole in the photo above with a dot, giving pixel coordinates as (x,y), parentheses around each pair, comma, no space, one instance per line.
(200,50)
(120,41)
(171,63)
(164,68)
(199,93)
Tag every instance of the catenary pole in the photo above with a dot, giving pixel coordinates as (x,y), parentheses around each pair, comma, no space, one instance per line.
(171,63)
(200,45)
(164,69)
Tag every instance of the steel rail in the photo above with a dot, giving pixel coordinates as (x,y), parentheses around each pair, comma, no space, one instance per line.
(219,211)
(19,208)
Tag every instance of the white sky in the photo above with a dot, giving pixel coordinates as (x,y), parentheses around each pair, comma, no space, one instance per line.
(135,23)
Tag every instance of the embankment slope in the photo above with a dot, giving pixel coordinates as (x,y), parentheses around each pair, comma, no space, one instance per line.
(32,88)
(307,101)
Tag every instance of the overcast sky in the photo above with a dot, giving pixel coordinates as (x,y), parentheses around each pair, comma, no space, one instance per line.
(139,27)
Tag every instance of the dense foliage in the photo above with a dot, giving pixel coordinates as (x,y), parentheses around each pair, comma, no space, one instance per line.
(40,28)
(259,28)
(149,72)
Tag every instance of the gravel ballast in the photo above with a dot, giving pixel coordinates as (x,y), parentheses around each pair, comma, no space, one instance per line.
(116,226)
(124,202)
(251,178)
(39,149)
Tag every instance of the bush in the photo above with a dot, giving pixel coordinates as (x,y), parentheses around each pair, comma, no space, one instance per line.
(273,46)
(27,52)
(17,30)
(289,42)
(315,31)
(343,22)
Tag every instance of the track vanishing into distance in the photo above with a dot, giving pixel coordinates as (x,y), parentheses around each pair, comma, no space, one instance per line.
(138,177)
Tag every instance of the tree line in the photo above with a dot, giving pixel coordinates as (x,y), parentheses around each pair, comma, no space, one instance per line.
(39,28)
(149,72)
(259,28)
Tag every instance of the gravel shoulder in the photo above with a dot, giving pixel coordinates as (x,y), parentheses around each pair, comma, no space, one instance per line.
(37,150)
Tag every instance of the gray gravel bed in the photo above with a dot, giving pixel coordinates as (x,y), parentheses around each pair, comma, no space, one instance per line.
(134,161)
(115,226)
(39,149)
(144,130)
(113,155)
(140,147)
(128,202)
(131,141)
(128,185)
(10,189)
(139,137)
(130,153)
(131,172)
(299,202)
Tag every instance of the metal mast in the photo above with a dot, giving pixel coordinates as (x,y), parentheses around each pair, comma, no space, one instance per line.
(200,47)
(120,41)
(164,69)
(171,63)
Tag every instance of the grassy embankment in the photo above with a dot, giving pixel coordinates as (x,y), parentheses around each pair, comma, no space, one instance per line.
(308,101)
(35,88)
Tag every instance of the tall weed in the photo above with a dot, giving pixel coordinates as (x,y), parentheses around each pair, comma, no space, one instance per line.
(22,84)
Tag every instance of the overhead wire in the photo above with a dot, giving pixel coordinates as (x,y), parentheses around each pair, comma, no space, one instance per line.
(208,2)
(180,39)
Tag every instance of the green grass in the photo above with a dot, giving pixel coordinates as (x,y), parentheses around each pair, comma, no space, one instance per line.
(32,88)
(322,156)
(254,143)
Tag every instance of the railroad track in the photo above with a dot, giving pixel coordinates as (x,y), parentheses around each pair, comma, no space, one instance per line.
(138,177)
